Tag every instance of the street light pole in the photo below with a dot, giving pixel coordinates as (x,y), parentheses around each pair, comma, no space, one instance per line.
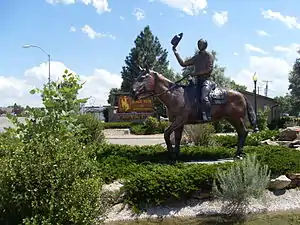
(49,59)
(255,100)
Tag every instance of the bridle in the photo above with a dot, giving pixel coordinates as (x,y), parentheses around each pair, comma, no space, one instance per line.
(152,94)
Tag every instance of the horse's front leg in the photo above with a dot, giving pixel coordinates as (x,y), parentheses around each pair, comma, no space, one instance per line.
(167,137)
(167,134)
(178,136)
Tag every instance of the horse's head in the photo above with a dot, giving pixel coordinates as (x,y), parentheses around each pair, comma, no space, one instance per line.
(144,84)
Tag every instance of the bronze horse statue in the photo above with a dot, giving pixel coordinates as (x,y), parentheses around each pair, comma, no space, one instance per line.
(182,106)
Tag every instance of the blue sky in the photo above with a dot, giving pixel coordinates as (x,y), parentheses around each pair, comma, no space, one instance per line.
(249,36)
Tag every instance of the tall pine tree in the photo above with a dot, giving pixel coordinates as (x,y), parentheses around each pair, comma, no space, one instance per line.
(147,51)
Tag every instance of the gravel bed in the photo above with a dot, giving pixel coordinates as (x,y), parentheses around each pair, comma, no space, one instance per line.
(290,200)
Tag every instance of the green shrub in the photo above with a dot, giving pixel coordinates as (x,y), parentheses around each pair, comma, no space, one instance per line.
(223,126)
(158,184)
(244,180)
(117,125)
(262,118)
(92,129)
(47,176)
(152,178)
(200,134)
(253,139)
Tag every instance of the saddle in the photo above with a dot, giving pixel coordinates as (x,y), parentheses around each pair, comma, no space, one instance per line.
(216,96)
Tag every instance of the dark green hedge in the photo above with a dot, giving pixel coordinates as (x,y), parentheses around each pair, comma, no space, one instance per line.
(151,177)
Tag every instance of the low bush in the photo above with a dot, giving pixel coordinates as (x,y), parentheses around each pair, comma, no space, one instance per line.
(200,134)
(150,126)
(252,139)
(243,181)
(92,129)
(223,126)
(117,125)
(151,177)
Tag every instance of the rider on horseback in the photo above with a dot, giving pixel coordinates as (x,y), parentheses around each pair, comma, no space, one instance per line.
(203,63)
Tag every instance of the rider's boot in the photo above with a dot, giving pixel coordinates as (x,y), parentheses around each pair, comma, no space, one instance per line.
(206,112)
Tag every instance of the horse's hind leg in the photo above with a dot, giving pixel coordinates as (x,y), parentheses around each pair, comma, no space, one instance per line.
(241,129)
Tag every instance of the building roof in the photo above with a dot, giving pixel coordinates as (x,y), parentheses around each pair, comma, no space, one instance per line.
(259,96)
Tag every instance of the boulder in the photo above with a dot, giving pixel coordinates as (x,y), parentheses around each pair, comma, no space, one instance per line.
(289,134)
(269,142)
(295,178)
(279,183)
(294,144)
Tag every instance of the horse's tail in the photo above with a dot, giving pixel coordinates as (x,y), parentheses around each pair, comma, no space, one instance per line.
(251,114)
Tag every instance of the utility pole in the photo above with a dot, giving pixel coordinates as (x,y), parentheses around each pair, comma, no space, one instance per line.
(267,86)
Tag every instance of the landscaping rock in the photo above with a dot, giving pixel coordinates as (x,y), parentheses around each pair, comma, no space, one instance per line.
(269,142)
(294,144)
(279,183)
(295,178)
(289,134)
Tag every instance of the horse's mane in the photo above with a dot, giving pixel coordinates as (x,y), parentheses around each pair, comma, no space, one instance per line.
(163,78)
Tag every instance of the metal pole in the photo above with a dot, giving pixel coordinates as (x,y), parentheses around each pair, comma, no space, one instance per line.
(49,59)
(49,74)
(255,105)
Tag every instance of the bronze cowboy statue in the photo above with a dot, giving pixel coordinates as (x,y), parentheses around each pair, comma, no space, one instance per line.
(203,64)
(216,103)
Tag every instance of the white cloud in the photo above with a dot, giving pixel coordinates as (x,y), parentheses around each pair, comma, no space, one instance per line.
(266,68)
(252,48)
(92,34)
(72,29)
(190,7)
(289,21)
(220,18)
(17,90)
(275,69)
(291,51)
(235,54)
(139,13)
(122,18)
(100,5)
(262,33)
(65,2)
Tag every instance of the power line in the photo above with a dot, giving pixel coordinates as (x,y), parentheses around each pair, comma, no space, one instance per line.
(267,86)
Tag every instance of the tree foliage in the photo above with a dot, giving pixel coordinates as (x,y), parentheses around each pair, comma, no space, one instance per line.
(47,176)
(146,52)
(294,79)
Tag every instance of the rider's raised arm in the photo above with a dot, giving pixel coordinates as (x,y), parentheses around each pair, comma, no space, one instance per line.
(188,62)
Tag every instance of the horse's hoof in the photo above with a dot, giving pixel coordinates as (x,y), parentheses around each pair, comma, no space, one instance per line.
(238,157)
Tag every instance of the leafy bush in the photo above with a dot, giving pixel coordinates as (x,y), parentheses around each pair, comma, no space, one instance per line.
(242,181)
(284,121)
(152,178)
(253,139)
(92,129)
(47,177)
(223,126)
(117,125)
(262,118)
(158,184)
(200,134)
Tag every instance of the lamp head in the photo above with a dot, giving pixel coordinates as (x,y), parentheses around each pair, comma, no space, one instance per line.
(27,46)
(254,77)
